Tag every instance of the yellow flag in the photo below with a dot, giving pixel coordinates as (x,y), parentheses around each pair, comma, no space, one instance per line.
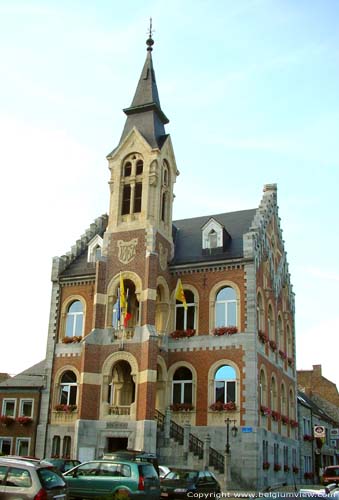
(179,294)
(122,295)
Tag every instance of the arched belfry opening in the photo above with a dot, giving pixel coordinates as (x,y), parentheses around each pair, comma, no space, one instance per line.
(127,317)
(121,394)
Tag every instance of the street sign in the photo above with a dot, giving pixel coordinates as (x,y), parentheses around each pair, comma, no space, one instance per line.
(247,429)
(334,433)
(319,431)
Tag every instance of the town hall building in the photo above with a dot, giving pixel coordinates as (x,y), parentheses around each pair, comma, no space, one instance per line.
(172,377)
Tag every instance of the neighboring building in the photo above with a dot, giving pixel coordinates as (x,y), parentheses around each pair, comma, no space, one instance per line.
(20,407)
(315,452)
(312,383)
(230,353)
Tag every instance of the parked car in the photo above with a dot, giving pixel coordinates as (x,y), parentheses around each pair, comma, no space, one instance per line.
(186,483)
(113,479)
(28,479)
(137,456)
(331,474)
(63,464)
(163,471)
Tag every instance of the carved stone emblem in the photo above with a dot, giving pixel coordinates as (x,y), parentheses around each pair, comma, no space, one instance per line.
(163,256)
(127,250)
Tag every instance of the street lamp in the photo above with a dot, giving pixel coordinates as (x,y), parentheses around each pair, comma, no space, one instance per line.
(234,431)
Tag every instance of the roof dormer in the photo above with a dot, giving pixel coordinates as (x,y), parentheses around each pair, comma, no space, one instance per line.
(94,249)
(214,236)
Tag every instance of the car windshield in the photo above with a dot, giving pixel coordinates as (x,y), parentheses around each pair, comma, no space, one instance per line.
(50,479)
(187,475)
(332,471)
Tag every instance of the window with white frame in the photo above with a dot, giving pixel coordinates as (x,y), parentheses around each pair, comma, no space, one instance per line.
(5,446)
(226,307)
(276,453)
(185,318)
(56,446)
(74,320)
(68,388)
(66,447)
(26,408)
(9,407)
(225,384)
(307,463)
(22,447)
(307,426)
(286,456)
(265,451)
(182,386)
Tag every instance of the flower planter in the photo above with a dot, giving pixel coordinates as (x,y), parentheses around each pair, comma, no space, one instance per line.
(265,411)
(24,420)
(65,408)
(276,416)
(181,407)
(273,345)
(225,330)
(5,420)
(219,406)
(262,337)
(72,340)
(266,465)
(180,334)
(277,467)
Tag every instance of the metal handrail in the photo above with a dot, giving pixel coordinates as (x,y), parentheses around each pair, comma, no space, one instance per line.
(217,460)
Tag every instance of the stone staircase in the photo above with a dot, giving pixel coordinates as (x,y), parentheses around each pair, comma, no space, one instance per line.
(178,447)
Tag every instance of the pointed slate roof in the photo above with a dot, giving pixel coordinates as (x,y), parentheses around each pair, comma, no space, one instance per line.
(145,112)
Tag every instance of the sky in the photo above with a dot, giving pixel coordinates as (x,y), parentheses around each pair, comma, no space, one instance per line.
(251,91)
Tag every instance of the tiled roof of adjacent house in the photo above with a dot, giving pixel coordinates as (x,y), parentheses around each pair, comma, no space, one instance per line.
(32,377)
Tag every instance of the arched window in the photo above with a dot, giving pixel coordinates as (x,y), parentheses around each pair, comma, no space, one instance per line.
(68,388)
(139,167)
(127,169)
(274,395)
(74,319)
(289,341)
(225,384)
(270,321)
(182,386)
(163,206)
(260,313)
(226,307)
(263,388)
(280,334)
(185,318)
(283,400)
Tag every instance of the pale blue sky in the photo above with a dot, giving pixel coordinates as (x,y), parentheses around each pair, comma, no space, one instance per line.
(251,91)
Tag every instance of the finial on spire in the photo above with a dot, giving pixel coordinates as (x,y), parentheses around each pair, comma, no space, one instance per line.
(150,41)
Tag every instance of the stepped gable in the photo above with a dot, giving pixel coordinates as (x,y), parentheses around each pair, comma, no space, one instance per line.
(74,263)
(187,234)
(32,377)
(258,245)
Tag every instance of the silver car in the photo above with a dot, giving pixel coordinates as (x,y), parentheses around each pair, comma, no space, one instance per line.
(22,479)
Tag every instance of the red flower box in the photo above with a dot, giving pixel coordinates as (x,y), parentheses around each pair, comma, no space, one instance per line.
(65,408)
(181,407)
(262,337)
(266,465)
(24,420)
(265,411)
(308,437)
(180,334)
(219,406)
(285,420)
(277,467)
(294,423)
(6,420)
(282,354)
(273,345)
(225,330)
(276,416)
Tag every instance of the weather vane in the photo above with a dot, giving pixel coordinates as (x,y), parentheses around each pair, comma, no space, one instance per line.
(150,41)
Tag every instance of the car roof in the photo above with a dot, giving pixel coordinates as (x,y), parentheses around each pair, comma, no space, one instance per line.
(23,461)
(110,460)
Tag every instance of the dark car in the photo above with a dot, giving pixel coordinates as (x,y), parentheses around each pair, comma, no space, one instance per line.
(28,479)
(331,474)
(186,483)
(63,464)
(137,456)
(113,479)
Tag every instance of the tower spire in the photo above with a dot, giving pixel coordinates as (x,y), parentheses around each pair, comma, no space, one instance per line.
(145,112)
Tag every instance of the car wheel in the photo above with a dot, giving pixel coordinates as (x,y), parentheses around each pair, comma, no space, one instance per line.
(121,495)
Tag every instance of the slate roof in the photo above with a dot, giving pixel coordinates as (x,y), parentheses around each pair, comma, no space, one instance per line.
(145,112)
(79,267)
(187,236)
(32,377)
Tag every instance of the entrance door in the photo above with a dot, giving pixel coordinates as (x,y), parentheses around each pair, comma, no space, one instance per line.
(116,444)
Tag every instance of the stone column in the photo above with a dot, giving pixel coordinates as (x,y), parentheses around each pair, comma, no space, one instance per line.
(206,457)
(187,430)
(227,470)
(167,426)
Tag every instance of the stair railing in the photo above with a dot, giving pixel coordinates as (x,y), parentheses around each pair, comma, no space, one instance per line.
(196,446)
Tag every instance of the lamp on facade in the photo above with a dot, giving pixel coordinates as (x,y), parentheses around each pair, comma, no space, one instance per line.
(234,430)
